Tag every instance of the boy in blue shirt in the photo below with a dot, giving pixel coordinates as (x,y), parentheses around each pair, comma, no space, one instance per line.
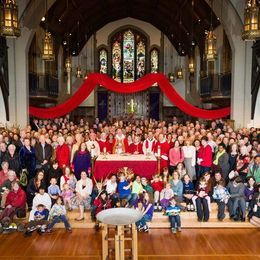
(124,190)
(173,211)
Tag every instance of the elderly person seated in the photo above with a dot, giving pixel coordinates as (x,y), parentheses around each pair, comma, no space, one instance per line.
(4,172)
(84,189)
(41,198)
(13,159)
(6,187)
(15,202)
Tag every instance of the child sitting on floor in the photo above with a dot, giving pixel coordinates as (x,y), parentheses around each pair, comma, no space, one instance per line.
(40,221)
(124,191)
(249,192)
(157,185)
(173,211)
(72,182)
(58,214)
(221,196)
(188,192)
(67,194)
(53,190)
(165,196)
(101,202)
(146,206)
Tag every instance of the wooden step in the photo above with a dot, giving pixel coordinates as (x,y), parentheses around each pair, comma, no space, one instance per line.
(188,219)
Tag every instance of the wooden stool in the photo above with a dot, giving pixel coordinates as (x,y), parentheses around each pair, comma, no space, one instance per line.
(121,220)
(119,241)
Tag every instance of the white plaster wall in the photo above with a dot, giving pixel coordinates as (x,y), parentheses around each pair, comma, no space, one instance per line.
(104,32)
(2,109)
(86,59)
(171,61)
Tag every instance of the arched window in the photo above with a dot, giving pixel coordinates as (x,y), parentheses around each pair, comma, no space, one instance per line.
(128,56)
(154,60)
(103,61)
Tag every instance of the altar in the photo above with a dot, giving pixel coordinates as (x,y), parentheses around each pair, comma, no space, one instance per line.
(142,165)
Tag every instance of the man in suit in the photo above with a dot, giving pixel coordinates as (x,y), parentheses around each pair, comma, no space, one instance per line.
(43,152)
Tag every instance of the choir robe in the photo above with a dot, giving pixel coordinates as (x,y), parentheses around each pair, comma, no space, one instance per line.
(136,148)
(104,144)
(119,146)
(164,158)
(127,146)
(149,146)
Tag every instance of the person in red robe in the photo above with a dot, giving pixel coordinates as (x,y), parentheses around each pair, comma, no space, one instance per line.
(136,147)
(127,142)
(62,153)
(103,143)
(162,150)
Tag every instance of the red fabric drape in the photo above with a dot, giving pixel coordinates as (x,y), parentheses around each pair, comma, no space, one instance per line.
(142,84)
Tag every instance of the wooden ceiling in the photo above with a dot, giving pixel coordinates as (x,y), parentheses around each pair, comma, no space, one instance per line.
(76,20)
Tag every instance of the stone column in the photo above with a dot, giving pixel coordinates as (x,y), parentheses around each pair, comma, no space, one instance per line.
(19,78)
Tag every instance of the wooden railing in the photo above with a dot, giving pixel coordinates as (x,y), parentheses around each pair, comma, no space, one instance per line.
(216,85)
(43,85)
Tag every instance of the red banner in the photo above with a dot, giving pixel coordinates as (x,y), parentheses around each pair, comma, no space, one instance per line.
(144,83)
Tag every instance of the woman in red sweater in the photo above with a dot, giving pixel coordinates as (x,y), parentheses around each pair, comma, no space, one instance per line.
(62,153)
(15,200)
(204,158)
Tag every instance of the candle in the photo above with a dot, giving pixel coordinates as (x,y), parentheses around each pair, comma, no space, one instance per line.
(104,150)
(159,151)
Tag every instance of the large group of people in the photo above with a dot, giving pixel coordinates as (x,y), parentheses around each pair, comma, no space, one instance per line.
(46,168)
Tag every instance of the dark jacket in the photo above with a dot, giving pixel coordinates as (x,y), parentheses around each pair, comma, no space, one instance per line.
(28,160)
(14,163)
(39,153)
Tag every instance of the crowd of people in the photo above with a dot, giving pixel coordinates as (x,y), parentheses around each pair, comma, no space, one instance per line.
(46,168)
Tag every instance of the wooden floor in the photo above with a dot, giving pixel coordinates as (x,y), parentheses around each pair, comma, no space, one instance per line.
(158,244)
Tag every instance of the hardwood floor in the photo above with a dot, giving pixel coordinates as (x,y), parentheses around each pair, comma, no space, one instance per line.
(158,244)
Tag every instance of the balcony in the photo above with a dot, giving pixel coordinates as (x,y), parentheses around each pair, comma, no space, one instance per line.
(216,89)
(43,89)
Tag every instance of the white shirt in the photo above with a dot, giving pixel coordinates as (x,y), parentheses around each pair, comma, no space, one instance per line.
(44,199)
(93,151)
(190,152)
(150,145)
(213,145)
(84,191)
(111,187)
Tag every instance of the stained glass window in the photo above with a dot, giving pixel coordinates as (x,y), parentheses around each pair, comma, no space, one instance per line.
(116,61)
(103,61)
(128,56)
(154,61)
(140,64)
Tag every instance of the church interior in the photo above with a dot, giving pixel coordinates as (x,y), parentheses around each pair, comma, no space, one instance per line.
(119,83)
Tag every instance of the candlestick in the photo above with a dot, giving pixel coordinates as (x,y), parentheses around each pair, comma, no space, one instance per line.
(159,151)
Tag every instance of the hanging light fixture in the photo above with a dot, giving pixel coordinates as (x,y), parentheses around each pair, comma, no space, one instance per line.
(78,72)
(47,46)
(9,26)
(171,77)
(211,42)
(252,21)
(191,65)
(179,73)
(48,51)
(68,64)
